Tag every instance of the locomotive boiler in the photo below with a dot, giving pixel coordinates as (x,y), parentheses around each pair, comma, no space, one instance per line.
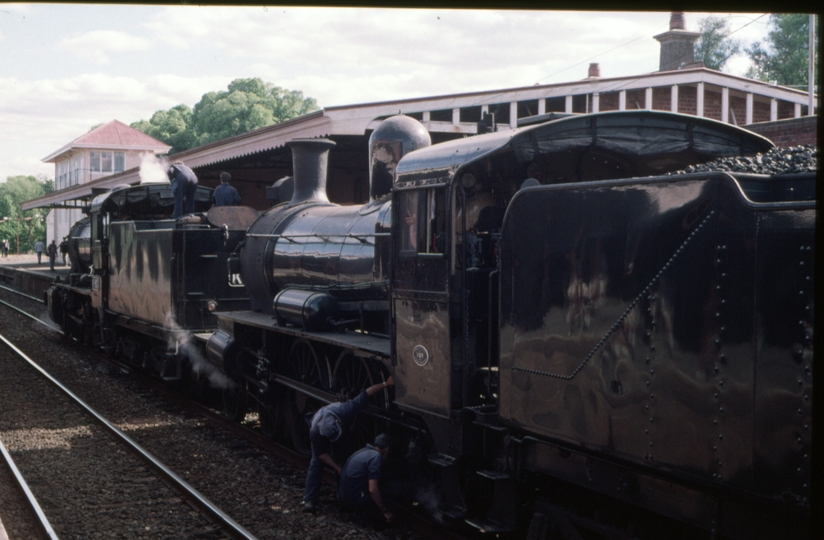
(563,319)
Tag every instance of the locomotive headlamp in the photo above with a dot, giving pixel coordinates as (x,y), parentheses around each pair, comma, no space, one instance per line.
(212,305)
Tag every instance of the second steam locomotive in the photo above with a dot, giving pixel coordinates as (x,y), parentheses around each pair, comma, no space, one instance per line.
(564,319)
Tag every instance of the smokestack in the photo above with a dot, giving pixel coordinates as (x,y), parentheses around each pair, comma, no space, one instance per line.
(310,158)
(594,70)
(677,45)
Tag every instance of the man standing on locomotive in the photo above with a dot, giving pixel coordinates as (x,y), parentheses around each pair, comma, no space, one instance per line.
(326,428)
(184,186)
(225,195)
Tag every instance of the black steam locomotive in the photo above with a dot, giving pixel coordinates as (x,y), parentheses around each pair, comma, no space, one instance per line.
(564,319)
(145,286)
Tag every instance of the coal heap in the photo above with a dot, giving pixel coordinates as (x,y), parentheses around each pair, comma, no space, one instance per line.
(779,160)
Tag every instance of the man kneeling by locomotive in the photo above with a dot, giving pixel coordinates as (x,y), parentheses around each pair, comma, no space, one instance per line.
(326,428)
(361,489)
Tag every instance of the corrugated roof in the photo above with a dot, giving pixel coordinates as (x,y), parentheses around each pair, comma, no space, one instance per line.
(114,134)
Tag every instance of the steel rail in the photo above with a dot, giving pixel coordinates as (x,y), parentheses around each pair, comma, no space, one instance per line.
(43,526)
(227,524)
(29,315)
(409,517)
(15,291)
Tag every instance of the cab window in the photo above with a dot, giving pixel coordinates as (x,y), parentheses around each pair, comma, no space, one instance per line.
(423,221)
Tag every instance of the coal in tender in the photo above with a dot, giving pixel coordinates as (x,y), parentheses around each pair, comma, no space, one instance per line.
(779,160)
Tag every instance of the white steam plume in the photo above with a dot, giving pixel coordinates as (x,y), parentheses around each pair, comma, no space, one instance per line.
(185,344)
(430,499)
(152,170)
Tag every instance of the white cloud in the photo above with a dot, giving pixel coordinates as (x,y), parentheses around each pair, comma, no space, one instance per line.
(40,116)
(98,45)
(152,58)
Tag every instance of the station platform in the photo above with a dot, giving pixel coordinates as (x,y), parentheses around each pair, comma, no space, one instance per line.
(24,274)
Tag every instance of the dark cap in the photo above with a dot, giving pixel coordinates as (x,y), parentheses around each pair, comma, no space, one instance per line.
(329,427)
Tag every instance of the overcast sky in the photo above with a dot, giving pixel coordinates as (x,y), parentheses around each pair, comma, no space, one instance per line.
(67,67)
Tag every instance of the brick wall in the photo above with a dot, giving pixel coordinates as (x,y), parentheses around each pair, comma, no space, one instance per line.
(608,101)
(789,132)
(686,99)
(661,98)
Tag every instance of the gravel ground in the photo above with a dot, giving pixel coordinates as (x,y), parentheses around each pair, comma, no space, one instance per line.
(87,484)
(258,490)
(14,517)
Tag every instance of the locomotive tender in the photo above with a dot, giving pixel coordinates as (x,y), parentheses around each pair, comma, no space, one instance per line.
(556,312)
(564,320)
(143,284)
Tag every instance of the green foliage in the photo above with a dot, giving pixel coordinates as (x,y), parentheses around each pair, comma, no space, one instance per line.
(714,48)
(246,105)
(28,226)
(172,127)
(783,58)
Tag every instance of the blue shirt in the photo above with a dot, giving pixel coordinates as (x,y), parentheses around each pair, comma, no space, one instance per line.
(362,466)
(180,175)
(226,195)
(344,412)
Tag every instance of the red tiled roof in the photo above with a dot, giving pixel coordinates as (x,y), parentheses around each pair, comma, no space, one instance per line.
(115,135)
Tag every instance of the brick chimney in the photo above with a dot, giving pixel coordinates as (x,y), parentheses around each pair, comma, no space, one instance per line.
(677,45)
(594,70)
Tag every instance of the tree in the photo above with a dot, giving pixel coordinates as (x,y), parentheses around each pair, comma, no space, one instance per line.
(246,105)
(173,127)
(783,59)
(28,226)
(714,47)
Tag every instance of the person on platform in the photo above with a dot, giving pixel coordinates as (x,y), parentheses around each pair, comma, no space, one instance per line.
(38,248)
(5,248)
(64,250)
(326,428)
(225,194)
(184,187)
(52,250)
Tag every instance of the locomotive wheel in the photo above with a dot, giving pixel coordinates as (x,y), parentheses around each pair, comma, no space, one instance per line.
(194,383)
(307,367)
(353,374)
(234,401)
(269,414)
(233,395)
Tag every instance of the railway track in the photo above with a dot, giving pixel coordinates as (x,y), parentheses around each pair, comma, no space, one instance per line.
(127,471)
(244,446)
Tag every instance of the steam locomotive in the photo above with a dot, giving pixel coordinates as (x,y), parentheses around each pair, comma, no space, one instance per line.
(145,286)
(564,319)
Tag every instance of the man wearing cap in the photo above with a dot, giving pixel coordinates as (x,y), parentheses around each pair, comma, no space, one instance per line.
(326,428)
(359,488)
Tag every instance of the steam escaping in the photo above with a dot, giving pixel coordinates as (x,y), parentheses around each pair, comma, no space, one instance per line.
(44,318)
(182,341)
(152,170)
(430,499)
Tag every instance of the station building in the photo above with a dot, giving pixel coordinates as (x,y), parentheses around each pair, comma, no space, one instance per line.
(260,158)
